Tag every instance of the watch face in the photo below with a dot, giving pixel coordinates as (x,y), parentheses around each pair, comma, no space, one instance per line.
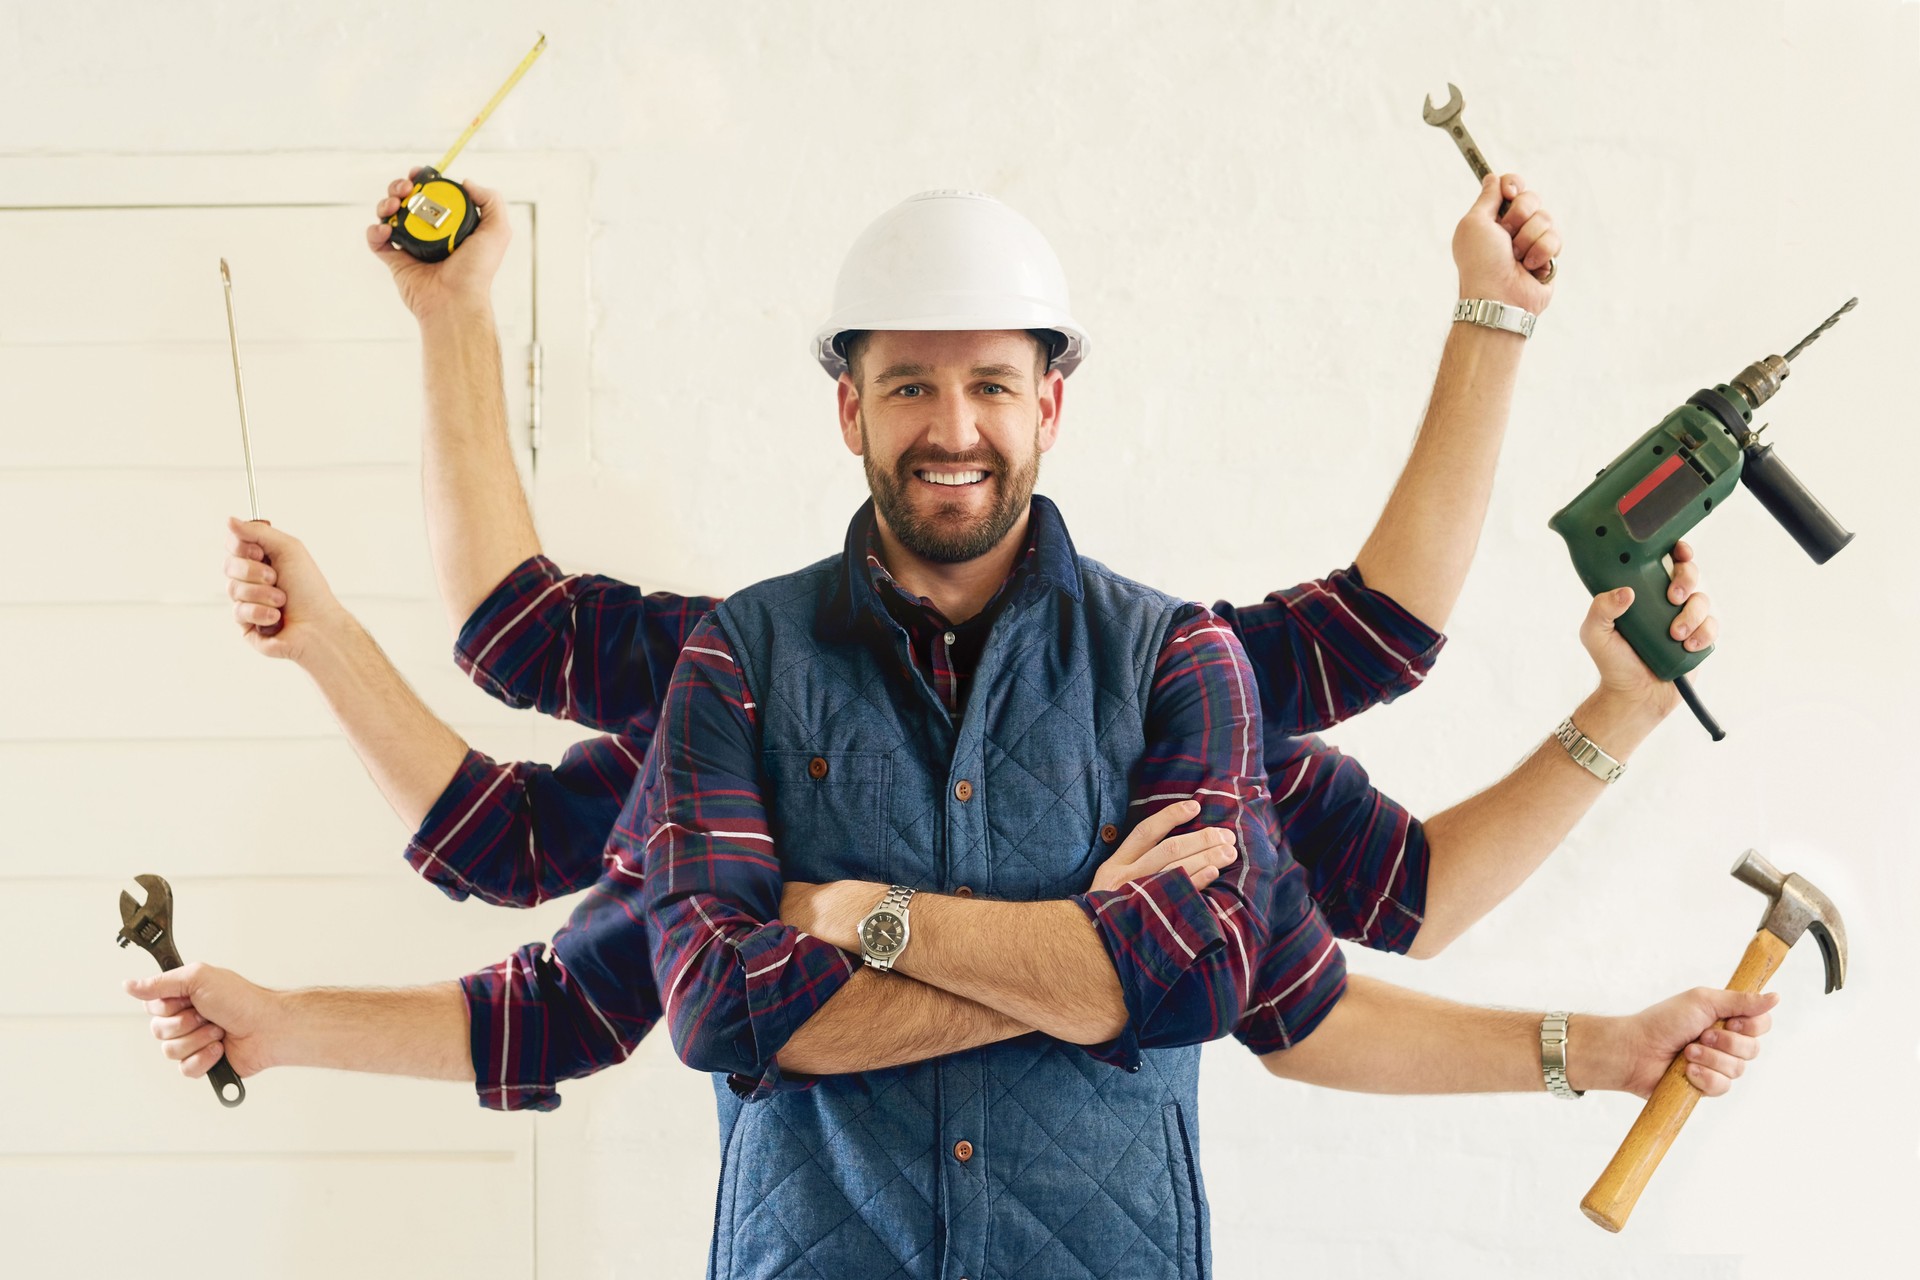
(883,933)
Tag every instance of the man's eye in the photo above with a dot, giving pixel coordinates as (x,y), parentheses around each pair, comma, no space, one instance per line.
(994,386)
(910,390)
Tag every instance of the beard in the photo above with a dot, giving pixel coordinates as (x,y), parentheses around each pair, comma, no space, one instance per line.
(946,535)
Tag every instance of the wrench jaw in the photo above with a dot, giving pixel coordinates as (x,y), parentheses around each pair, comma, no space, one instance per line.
(149,925)
(1443,116)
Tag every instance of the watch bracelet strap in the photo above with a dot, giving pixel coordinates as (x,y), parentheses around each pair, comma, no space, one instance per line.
(1489,314)
(1587,753)
(1553,1055)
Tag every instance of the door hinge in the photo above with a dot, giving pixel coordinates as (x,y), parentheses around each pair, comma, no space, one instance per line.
(535,437)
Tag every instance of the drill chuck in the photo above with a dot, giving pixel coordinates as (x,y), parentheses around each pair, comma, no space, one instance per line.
(1758,381)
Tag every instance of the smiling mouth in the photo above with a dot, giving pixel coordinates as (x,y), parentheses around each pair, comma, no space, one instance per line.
(951,479)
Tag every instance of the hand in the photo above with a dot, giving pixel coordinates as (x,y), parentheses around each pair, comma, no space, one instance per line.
(1716,1056)
(1497,257)
(1622,674)
(202,1014)
(290,591)
(463,280)
(830,912)
(1149,849)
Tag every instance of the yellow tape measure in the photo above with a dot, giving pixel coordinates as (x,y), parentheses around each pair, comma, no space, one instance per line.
(438,214)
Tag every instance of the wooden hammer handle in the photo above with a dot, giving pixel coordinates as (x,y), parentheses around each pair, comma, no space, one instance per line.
(1618,1190)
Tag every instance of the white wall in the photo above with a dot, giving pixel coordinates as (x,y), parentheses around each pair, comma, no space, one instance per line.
(1256,224)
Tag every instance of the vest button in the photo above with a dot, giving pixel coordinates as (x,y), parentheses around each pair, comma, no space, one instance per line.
(963,791)
(964,891)
(816,768)
(1109,833)
(963,1151)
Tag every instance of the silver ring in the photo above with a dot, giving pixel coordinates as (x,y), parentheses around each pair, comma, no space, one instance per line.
(1553,269)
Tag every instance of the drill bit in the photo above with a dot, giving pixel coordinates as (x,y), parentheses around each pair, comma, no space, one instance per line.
(1825,325)
(240,390)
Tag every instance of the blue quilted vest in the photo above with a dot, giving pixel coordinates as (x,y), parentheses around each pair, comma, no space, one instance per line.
(1078,1169)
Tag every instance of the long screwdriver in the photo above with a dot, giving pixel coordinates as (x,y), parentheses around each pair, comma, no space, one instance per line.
(438,214)
(240,394)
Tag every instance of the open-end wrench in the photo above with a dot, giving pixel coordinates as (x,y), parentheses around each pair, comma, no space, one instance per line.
(150,925)
(1447,117)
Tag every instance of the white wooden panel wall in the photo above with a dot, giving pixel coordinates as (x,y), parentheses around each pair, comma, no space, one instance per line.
(140,734)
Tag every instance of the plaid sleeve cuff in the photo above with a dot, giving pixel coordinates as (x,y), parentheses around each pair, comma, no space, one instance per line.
(505,1076)
(1155,930)
(520,620)
(789,976)
(1302,975)
(462,828)
(1404,648)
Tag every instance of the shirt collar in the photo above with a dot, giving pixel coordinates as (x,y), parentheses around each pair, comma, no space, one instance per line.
(1052,561)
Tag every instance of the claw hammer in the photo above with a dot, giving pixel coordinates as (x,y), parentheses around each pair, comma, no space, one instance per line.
(1794,907)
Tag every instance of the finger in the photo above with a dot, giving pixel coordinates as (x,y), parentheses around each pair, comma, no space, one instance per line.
(1604,611)
(168,1007)
(1758,1025)
(398,189)
(191,1043)
(159,986)
(1686,580)
(200,1063)
(247,569)
(255,615)
(486,199)
(1697,609)
(1212,860)
(1682,551)
(1737,1004)
(1529,234)
(1155,827)
(1175,848)
(1204,876)
(243,537)
(1707,1081)
(250,593)
(1492,191)
(1730,1042)
(1715,1060)
(1519,213)
(1544,250)
(177,1025)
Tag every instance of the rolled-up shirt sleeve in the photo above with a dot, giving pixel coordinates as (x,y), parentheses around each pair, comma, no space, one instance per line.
(1186,957)
(519,833)
(1366,856)
(1302,974)
(580,647)
(1329,649)
(736,982)
(559,1011)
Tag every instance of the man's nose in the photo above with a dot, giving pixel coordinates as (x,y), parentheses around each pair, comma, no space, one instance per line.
(954,427)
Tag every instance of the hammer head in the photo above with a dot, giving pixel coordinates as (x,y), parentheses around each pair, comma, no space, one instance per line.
(1795,907)
(146,922)
(1443,116)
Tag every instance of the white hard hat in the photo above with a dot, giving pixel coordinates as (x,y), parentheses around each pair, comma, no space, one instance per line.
(951,260)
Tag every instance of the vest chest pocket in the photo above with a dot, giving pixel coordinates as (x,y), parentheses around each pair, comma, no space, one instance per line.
(828,811)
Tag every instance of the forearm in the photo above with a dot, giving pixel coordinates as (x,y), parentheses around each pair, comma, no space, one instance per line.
(1423,544)
(1385,1039)
(1483,848)
(478,523)
(410,754)
(880,1020)
(411,1031)
(1041,964)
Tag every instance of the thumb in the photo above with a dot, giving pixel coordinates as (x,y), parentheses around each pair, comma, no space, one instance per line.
(1489,199)
(1604,612)
(172,984)
(262,532)
(1741,1004)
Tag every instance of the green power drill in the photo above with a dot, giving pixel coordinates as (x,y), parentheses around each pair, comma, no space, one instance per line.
(1623,526)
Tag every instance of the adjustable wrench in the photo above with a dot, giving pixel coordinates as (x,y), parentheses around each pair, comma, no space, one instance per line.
(1447,116)
(150,924)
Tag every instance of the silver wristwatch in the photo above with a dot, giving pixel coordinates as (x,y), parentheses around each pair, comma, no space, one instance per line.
(1489,314)
(884,930)
(1553,1056)
(1587,753)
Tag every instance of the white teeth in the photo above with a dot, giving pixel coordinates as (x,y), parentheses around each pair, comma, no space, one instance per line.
(953,477)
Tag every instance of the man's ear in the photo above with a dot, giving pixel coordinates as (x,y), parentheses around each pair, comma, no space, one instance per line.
(1053,391)
(849,399)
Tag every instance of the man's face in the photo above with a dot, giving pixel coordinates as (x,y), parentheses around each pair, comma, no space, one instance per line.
(950,427)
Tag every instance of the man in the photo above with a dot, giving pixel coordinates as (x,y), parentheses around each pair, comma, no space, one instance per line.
(480,527)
